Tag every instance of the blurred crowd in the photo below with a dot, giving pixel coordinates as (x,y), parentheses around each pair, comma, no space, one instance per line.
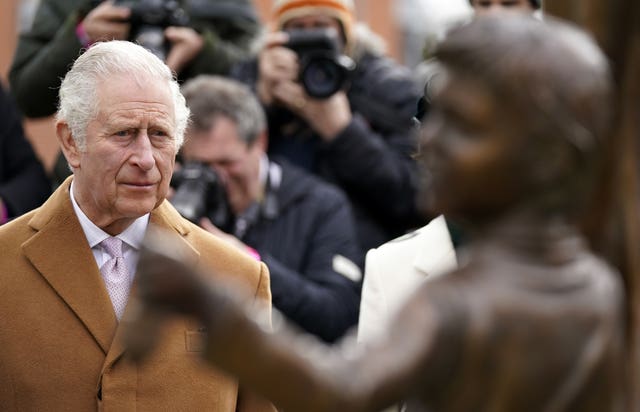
(320,170)
(299,152)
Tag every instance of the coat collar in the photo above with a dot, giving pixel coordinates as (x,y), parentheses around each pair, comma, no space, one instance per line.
(441,257)
(61,254)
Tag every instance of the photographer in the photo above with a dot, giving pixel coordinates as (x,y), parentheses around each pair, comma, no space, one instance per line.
(359,137)
(23,183)
(301,227)
(218,34)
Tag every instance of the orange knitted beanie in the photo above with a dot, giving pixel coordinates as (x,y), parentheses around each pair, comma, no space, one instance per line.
(342,10)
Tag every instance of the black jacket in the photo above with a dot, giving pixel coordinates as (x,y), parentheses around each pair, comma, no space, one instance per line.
(306,238)
(23,183)
(371,159)
(46,51)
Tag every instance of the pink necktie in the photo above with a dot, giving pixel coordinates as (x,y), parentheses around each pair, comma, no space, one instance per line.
(115,274)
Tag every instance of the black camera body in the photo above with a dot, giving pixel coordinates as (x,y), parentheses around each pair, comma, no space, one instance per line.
(148,20)
(323,68)
(199,193)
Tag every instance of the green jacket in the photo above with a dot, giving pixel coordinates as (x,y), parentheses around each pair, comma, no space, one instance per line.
(46,51)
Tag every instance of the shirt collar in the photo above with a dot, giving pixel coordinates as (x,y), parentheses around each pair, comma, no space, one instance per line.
(132,235)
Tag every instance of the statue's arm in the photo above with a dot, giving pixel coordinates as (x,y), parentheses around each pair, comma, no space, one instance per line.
(292,369)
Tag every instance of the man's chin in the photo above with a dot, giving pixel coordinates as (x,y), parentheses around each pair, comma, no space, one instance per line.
(138,208)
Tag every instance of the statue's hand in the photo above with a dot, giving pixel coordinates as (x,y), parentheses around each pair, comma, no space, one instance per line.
(166,279)
(165,285)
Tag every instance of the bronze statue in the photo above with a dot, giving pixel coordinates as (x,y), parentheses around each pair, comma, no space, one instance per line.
(530,321)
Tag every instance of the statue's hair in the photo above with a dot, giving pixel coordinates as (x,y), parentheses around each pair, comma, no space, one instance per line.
(553,69)
(79,101)
(211,96)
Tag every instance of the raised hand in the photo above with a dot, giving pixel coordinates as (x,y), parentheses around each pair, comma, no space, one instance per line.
(107,22)
(186,43)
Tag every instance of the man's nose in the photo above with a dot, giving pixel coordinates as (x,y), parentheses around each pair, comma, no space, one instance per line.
(143,151)
(500,8)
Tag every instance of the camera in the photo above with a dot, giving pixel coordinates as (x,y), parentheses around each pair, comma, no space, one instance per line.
(199,193)
(148,20)
(323,68)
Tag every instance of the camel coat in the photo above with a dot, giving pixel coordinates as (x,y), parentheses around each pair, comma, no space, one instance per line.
(60,344)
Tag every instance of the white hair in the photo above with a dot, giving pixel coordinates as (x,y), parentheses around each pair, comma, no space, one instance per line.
(211,96)
(78,96)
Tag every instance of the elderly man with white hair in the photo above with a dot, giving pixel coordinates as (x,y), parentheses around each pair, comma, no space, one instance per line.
(68,267)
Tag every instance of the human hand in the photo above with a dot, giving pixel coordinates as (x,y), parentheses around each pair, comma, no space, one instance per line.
(327,117)
(276,63)
(107,22)
(186,43)
(207,225)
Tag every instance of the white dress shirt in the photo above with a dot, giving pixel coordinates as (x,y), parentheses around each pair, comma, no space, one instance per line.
(131,238)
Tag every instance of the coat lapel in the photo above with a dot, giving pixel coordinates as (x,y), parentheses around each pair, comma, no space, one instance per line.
(436,255)
(60,252)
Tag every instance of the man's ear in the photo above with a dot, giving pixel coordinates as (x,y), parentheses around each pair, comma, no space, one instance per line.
(68,144)
(262,141)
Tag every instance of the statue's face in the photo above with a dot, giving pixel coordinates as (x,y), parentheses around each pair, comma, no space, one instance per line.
(471,147)
(482,7)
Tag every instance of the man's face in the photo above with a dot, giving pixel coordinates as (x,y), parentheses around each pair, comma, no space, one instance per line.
(482,7)
(237,163)
(315,22)
(470,146)
(125,169)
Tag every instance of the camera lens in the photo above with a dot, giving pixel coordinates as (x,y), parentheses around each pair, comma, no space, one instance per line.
(322,77)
